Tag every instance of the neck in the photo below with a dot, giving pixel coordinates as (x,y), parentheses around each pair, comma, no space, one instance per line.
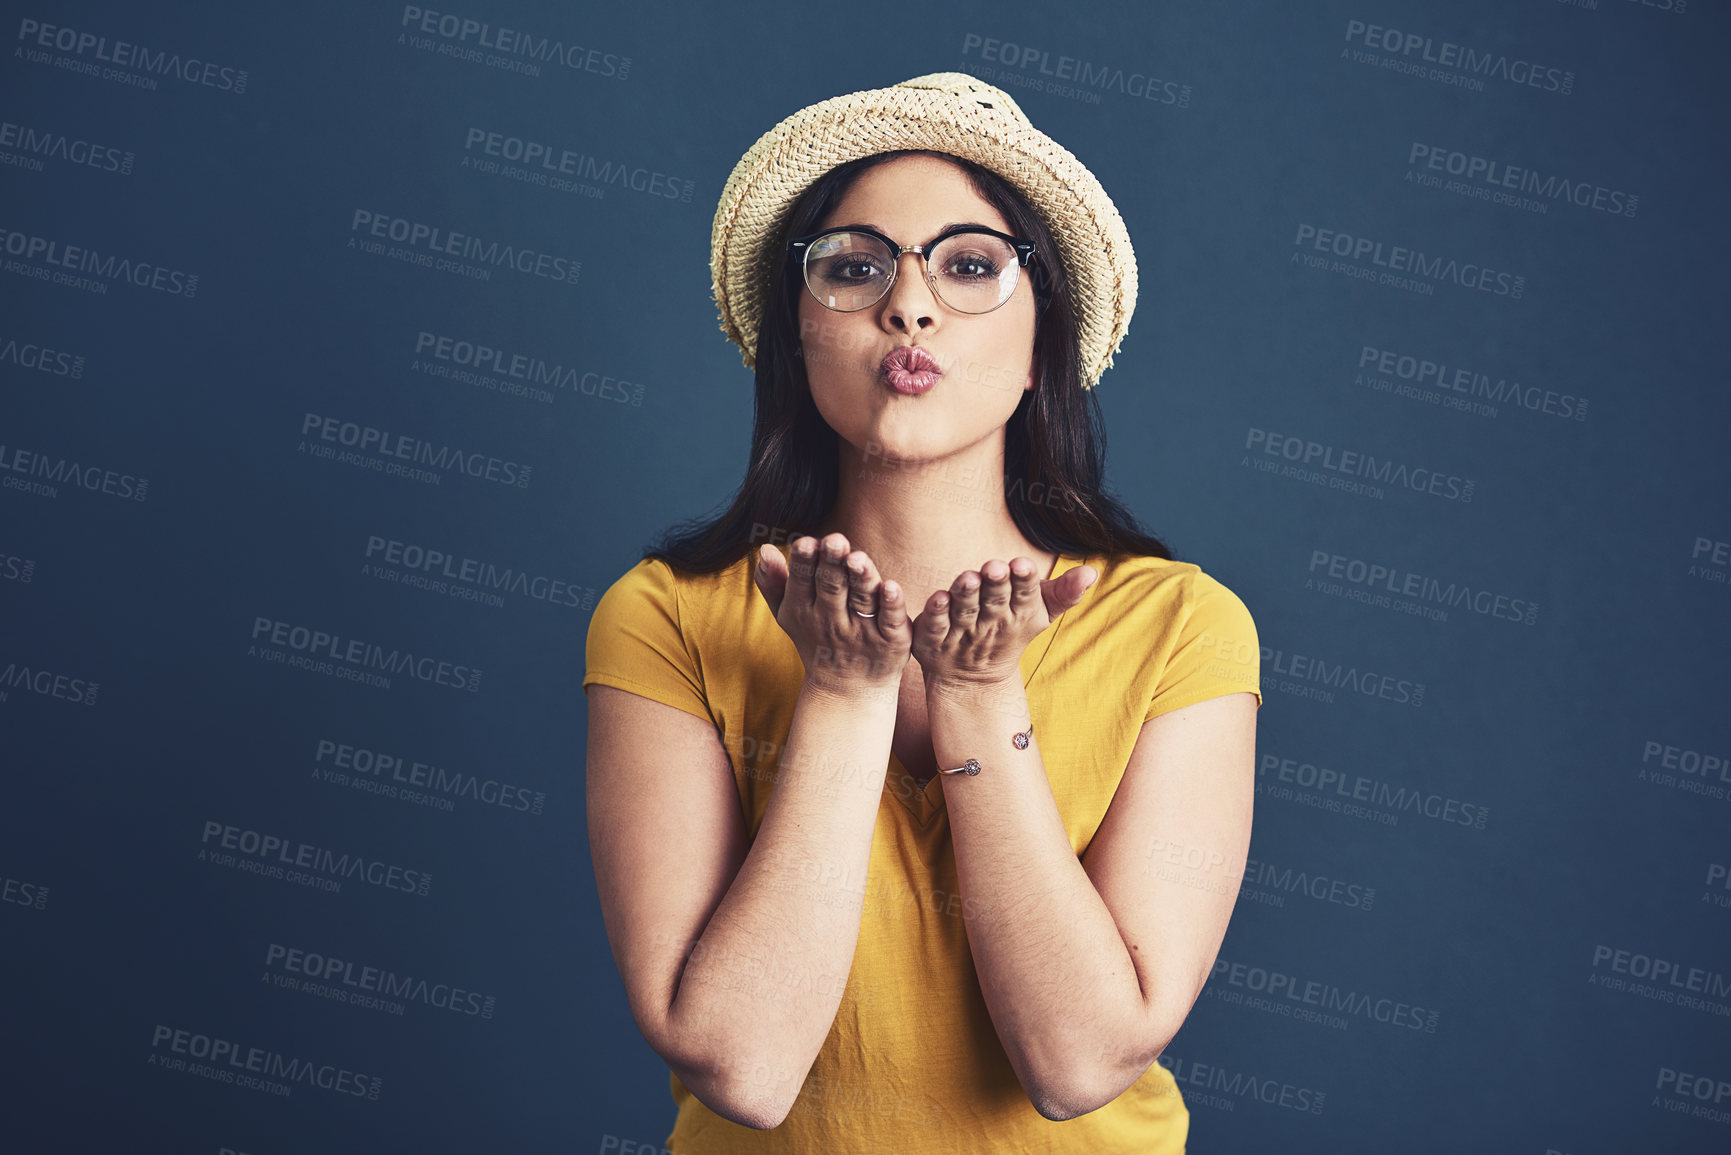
(924,523)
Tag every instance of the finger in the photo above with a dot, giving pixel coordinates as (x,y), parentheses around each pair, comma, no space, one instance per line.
(965,599)
(892,616)
(1063,593)
(801,567)
(832,579)
(934,623)
(995,588)
(1024,586)
(862,584)
(1084,583)
(771,577)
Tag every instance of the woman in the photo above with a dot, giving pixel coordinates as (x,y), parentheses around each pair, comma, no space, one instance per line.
(918,828)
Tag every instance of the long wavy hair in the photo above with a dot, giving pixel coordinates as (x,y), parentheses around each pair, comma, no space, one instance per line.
(1054,443)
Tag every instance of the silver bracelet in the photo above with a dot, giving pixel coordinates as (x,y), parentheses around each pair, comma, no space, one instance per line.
(972,766)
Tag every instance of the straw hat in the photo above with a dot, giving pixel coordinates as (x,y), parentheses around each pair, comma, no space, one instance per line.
(948,112)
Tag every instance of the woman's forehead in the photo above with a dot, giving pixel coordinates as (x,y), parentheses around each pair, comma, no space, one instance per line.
(913,194)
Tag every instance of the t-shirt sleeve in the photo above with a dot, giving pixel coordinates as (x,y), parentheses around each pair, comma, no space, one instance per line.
(636,641)
(1217,651)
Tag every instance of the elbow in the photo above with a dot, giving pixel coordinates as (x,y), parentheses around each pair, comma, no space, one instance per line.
(1063,1088)
(1062,1099)
(756,1092)
(757,1101)
(1065,1091)
(1069,1098)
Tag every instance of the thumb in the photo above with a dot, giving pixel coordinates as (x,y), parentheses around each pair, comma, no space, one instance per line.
(770,574)
(1063,593)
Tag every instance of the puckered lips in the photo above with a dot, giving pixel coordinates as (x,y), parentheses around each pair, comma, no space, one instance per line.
(909,369)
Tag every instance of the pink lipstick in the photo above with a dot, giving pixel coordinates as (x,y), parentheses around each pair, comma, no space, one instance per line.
(908,369)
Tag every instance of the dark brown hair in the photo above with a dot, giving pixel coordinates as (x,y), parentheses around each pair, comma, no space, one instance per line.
(1054,443)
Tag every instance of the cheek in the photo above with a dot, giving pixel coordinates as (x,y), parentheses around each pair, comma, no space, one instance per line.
(835,344)
(999,363)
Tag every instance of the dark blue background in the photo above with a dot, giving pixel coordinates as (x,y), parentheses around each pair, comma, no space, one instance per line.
(1545,725)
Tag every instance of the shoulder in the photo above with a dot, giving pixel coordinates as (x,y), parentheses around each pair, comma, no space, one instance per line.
(1180,626)
(648,583)
(1143,586)
(1164,608)
(653,588)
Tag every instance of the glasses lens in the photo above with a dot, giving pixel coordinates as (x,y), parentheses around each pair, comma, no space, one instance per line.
(976,272)
(848,271)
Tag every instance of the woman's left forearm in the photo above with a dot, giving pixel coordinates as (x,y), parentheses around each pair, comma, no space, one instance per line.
(1055,970)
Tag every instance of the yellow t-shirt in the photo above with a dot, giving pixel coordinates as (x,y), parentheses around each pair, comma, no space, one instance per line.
(912,1064)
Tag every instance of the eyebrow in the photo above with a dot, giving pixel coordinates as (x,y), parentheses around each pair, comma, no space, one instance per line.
(942,229)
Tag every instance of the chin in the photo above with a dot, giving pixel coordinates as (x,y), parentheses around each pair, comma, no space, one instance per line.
(879,448)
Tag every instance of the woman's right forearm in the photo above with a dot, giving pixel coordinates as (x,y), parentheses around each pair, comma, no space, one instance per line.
(760,987)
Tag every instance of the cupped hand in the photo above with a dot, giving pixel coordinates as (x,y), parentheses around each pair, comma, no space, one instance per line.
(814,594)
(974,634)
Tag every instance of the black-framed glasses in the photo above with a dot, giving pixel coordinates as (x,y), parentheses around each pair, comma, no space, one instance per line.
(971,269)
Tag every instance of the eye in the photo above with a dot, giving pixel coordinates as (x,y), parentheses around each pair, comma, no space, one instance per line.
(848,268)
(971,266)
(854,268)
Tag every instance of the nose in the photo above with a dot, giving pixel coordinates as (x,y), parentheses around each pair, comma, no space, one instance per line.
(910,306)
